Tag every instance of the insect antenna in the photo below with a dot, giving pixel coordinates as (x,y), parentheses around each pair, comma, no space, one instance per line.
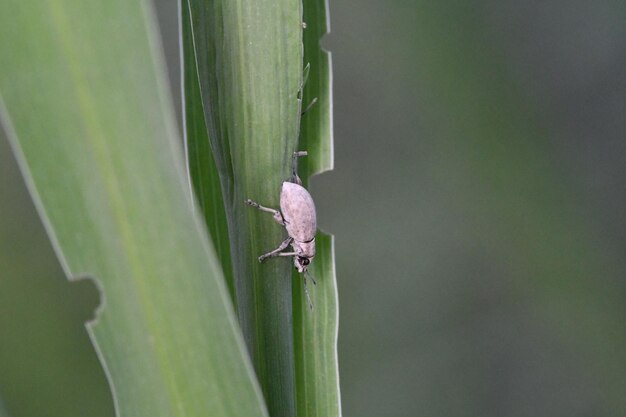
(306,291)
(310,276)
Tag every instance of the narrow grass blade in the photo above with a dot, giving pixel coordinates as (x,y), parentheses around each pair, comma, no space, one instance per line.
(317,125)
(315,332)
(201,166)
(86,110)
(249,63)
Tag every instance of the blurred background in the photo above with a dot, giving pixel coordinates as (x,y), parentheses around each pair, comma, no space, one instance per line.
(479,207)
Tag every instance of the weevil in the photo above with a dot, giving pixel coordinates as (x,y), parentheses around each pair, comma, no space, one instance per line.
(297,215)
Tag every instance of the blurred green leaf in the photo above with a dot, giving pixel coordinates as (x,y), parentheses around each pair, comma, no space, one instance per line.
(494,133)
(315,332)
(249,68)
(3,411)
(91,123)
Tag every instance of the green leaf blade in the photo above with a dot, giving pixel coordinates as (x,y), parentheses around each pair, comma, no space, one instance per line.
(317,125)
(315,332)
(249,60)
(316,337)
(87,114)
(202,169)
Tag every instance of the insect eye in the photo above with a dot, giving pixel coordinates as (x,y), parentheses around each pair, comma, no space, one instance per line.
(304,261)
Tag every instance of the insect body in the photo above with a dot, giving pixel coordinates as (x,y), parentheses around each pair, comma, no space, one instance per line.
(298,212)
(297,215)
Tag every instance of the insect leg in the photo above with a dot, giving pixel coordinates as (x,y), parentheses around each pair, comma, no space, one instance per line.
(294,166)
(311,104)
(277,215)
(308,297)
(276,252)
(305,75)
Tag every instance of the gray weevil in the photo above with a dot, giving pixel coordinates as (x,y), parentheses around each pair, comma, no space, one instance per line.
(297,215)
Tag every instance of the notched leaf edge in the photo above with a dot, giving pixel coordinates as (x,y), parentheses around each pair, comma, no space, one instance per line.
(7,127)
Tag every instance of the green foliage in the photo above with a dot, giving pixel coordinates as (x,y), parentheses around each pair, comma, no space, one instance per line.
(250,76)
(317,379)
(83,103)
(86,111)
